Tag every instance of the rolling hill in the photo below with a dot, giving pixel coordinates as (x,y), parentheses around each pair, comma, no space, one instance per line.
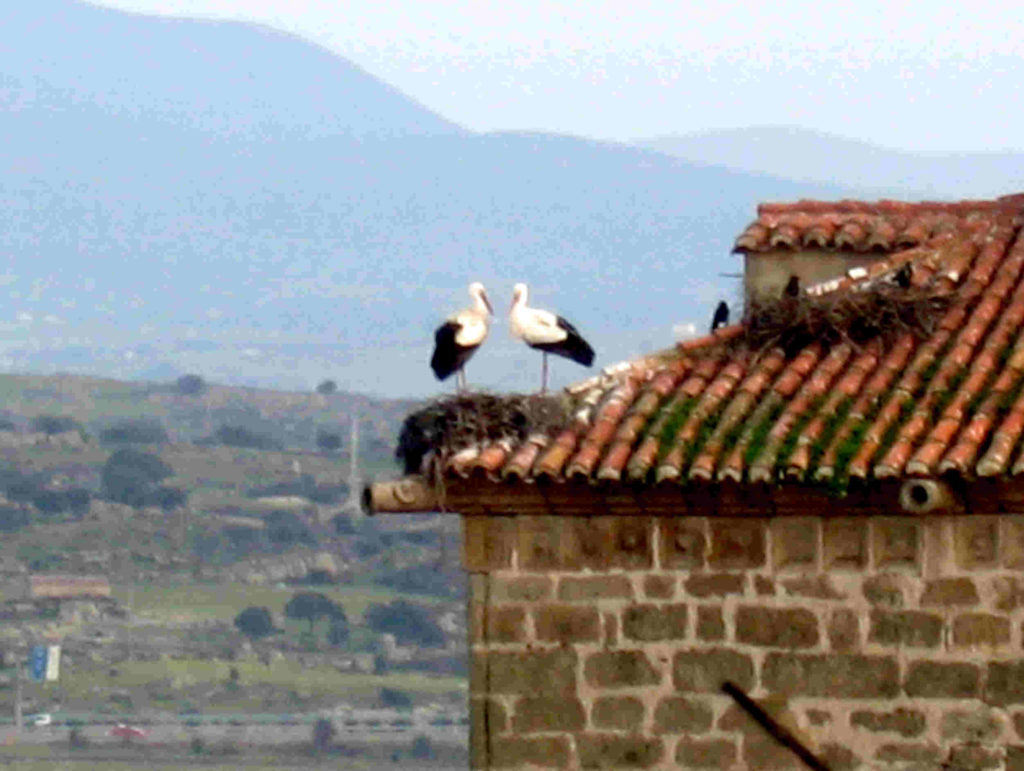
(214,197)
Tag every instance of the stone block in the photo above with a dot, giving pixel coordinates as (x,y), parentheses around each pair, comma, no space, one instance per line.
(615,751)
(566,624)
(776,627)
(705,670)
(845,543)
(620,669)
(795,542)
(1005,683)
(545,714)
(710,625)
(658,587)
(840,675)
(520,588)
(978,725)
(736,544)
(682,543)
(887,589)
(976,630)
(534,673)
(843,630)
(816,587)
(705,753)
(487,543)
(1015,758)
(971,757)
(976,542)
(591,588)
(705,585)
(839,758)
(927,754)
(764,586)
(950,592)
(1008,593)
(897,543)
(607,542)
(611,630)
(521,752)
(906,628)
(547,543)
(504,624)
(763,753)
(678,715)
(1012,541)
(648,623)
(618,713)
(941,680)
(908,723)
(818,717)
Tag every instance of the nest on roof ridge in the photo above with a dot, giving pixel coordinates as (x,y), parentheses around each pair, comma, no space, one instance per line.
(857,316)
(452,423)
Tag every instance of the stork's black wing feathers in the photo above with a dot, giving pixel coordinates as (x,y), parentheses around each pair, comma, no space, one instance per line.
(572,347)
(448,356)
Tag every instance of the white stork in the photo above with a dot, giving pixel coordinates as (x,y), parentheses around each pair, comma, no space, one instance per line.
(547,332)
(457,339)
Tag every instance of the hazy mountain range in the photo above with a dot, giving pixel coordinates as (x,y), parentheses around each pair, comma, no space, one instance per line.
(220,198)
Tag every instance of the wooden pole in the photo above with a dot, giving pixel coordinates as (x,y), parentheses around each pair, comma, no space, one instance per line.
(778,732)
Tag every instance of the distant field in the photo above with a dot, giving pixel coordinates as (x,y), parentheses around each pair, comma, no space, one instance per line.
(282,673)
(191,603)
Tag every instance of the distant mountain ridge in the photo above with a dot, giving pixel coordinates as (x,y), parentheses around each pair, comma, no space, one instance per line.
(215,197)
(802,154)
(63,59)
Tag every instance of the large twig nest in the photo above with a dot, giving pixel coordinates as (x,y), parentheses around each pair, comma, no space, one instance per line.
(449,424)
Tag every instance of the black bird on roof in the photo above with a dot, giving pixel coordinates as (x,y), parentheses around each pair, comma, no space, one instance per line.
(793,287)
(721,317)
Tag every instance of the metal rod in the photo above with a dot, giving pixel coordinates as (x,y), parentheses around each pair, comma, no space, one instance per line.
(779,733)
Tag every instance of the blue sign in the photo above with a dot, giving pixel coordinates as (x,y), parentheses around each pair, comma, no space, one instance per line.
(37,663)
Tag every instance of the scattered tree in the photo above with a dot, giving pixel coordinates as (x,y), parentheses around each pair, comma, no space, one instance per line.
(132,477)
(328,441)
(190,385)
(394,699)
(323,734)
(337,635)
(313,606)
(134,431)
(240,436)
(422,749)
(255,622)
(54,424)
(410,624)
(327,387)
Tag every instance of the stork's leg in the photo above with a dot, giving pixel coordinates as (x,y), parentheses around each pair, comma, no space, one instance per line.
(460,380)
(544,373)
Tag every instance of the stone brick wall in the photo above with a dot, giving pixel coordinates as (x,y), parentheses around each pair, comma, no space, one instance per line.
(883,642)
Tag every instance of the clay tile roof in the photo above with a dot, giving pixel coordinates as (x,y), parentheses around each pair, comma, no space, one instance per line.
(714,409)
(861,226)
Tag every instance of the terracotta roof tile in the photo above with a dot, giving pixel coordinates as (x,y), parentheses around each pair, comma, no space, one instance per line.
(713,409)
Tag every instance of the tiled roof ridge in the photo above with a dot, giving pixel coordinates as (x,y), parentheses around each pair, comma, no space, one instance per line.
(889,207)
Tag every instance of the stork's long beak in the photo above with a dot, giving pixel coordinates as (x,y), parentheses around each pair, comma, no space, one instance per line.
(487,302)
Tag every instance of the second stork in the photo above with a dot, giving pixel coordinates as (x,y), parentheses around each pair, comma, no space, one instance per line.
(547,332)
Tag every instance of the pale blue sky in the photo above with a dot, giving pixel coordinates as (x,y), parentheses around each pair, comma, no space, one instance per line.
(932,76)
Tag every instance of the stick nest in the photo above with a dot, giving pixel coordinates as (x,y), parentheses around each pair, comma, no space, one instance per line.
(856,317)
(452,423)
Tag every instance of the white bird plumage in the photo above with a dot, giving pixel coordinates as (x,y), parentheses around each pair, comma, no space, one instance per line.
(463,332)
(547,332)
